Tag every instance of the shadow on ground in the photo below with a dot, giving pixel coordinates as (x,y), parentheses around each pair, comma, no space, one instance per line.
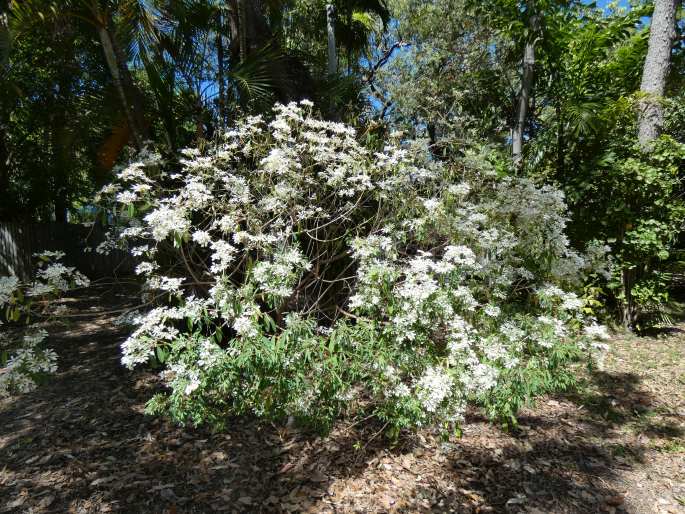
(82,444)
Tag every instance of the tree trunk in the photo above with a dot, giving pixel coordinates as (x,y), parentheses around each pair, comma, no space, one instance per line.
(628,309)
(242,30)
(332,52)
(4,108)
(561,144)
(527,81)
(661,36)
(250,33)
(132,91)
(112,64)
(4,33)
(220,69)
(4,158)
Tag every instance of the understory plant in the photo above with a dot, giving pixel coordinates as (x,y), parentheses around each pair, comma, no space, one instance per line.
(291,272)
(632,198)
(25,359)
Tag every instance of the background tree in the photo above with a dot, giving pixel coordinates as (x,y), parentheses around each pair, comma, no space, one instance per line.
(655,70)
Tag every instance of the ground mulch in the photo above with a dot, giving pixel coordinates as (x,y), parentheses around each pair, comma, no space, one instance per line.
(82,444)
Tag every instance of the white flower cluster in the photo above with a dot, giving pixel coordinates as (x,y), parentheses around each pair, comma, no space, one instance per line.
(8,285)
(167,219)
(434,386)
(28,361)
(55,277)
(28,357)
(464,294)
(278,276)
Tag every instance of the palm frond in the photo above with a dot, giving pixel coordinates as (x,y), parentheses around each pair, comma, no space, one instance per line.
(253,77)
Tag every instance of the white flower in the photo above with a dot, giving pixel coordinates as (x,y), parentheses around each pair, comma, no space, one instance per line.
(491,310)
(226,223)
(127,197)
(596,331)
(145,268)
(557,324)
(39,289)
(433,387)
(165,220)
(401,390)
(172,285)
(431,204)
(244,326)
(460,255)
(132,231)
(223,255)
(571,302)
(50,254)
(8,285)
(461,189)
(196,194)
(482,378)
(202,237)
(210,354)
(192,386)
(137,251)
(141,188)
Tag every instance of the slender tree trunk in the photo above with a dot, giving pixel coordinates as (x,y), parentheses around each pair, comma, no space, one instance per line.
(132,91)
(61,208)
(527,82)
(628,311)
(661,36)
(4,108)
(561,144)
(242,30)
(4,33)
(332,52)
(4,158)
(220,69)
(112,64)
(250,28)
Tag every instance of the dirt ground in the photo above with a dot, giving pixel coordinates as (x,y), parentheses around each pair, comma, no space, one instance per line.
(81,444)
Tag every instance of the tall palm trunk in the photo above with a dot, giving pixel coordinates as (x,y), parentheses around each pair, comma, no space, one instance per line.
(4,109)
(220,69)
(115,72)
(527,82)
(242,30)
(661,36)
(132,91)
(332,52)
(250,33)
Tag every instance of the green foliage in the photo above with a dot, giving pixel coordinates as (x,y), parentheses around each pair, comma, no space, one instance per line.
(633,200)
(51,155)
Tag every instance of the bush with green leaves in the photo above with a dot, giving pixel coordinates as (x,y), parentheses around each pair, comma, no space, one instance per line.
(292,273)
(652,211)
(632,198)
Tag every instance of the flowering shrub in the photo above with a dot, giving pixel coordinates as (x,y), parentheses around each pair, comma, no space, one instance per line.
(26,360)
(292,272)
